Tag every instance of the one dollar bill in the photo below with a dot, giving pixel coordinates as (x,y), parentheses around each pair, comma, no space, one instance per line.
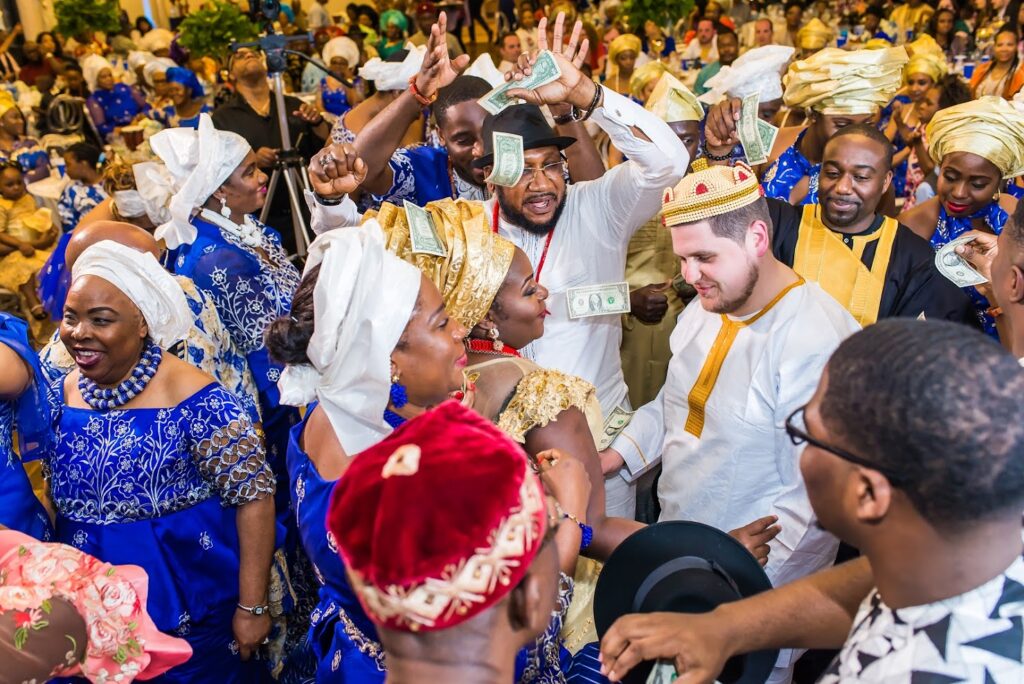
(756,136)
(422,233)
(955,267)
(662,673)
(598,300)
(544,70)
(616,422)
(508,163)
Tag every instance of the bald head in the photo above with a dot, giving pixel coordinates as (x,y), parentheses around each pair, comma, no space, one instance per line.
(126,234)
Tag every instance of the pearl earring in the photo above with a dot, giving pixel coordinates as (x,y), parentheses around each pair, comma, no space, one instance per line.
(224,210)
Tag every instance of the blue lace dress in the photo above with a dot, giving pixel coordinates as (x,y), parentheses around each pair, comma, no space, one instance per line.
(249,293)
(345,642)
(789,169)
(157,488)
(32,159)
(335,100)
(951,227)
(115,107)
(29,414)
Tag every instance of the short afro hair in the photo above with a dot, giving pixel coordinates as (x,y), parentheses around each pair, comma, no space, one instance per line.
(462,89)
(937,404)
(868,131)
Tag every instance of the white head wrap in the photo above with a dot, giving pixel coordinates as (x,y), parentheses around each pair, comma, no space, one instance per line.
(129,203)
(155,187)
(156,65)
(756,71)
(483,67)
(341,47)
(137,58)
(199,161)
(394,75)
(92,65)
(156,40)
(362,302)
(144,281)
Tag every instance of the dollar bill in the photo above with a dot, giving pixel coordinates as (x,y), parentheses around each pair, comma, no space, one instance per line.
(508,163)
(662,673)
(768,134)
(753,143)
(955,267)
(616,422)
(598,300)
(422,233)
(544,70)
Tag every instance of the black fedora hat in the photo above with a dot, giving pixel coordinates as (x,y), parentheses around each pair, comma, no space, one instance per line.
(681,567)
(526,120)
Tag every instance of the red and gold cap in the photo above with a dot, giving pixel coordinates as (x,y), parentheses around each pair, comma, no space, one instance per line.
(712,191)
(439,521)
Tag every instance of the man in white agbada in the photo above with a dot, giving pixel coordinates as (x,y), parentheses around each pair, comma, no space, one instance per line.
(756,71)
(575,236)
(748,352)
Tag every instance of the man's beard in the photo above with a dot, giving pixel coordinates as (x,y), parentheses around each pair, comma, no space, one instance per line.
(727,306)
(518,218)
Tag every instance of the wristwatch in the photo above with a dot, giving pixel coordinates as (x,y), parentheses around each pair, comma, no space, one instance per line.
(255,610)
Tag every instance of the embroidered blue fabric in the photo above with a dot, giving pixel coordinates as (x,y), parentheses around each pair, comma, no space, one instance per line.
(789,169)
(335,101)
(32,159)
(951,227)
(77,200)
(115,107)
(30,415)
(157,487)
(899,178)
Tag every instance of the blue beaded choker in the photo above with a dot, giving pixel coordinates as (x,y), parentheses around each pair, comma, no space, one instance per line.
(392,418)
(107,398)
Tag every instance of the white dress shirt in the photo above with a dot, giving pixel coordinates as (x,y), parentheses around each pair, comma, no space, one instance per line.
(743,465)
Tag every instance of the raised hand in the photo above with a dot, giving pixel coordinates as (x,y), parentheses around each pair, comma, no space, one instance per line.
(720,123)
(438,69)
(572,86)
(337,170)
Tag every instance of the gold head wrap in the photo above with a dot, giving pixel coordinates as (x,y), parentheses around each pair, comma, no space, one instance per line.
(835,81)
(477,262)
(7,102)
(712,191)
(989,127)
(672,101)
(926,57)
(877,44)
(814,35)
(627,42)
(644,75)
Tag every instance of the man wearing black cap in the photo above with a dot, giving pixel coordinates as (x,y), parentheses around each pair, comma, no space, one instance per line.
(917,459)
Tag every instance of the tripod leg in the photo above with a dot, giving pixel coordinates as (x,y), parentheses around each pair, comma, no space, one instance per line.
(301,236)
(271,188)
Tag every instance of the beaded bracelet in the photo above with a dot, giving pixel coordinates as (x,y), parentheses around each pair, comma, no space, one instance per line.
(586,530)
(712,157)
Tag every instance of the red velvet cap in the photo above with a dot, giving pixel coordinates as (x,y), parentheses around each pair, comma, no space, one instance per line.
(439,521)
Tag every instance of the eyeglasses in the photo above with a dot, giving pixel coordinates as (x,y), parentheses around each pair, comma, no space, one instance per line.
(554,172)
(799,436)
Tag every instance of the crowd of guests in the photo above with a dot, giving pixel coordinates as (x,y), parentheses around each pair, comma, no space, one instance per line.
(402,452)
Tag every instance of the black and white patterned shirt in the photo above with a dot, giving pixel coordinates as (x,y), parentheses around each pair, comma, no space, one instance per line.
(975,638)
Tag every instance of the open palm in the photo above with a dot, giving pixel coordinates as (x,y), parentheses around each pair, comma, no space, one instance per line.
(569,57)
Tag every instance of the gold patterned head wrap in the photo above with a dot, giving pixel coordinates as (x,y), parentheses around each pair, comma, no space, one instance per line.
(644,76)
(672,101)
(814,35)
(6,102)
(989,127)
(627,42)
(712,191)
(877,44)
(926,57)
(835,81)
(475,265)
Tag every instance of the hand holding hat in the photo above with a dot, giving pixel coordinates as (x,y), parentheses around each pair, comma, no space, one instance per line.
(572,86)
(438,69)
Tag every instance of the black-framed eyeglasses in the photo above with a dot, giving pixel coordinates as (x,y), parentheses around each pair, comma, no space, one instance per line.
(799,436)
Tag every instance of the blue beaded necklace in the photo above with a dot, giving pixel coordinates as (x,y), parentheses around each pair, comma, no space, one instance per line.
(107,398)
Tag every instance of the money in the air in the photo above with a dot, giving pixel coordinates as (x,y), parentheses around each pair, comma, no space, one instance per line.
(422,234)
(544,70)
(955,267)
(598,300)
(508,164)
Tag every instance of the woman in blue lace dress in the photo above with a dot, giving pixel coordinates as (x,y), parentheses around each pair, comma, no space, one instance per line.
(25,408)
(188,100)
(112,104)
(977,145)
(157,465)
(14,145)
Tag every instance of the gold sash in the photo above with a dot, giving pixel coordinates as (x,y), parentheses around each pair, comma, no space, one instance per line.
(701,391)
(822,257)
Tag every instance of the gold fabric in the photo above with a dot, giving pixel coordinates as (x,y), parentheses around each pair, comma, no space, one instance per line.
(835,81)
(477,262)
(711,192)
(877,44)
(541,396)
(645,349)
(627,42)
(672,101)
(6,102)
(926,57)
(644,76)
(822,256)
(989,127)
(814,35)
(912,18)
